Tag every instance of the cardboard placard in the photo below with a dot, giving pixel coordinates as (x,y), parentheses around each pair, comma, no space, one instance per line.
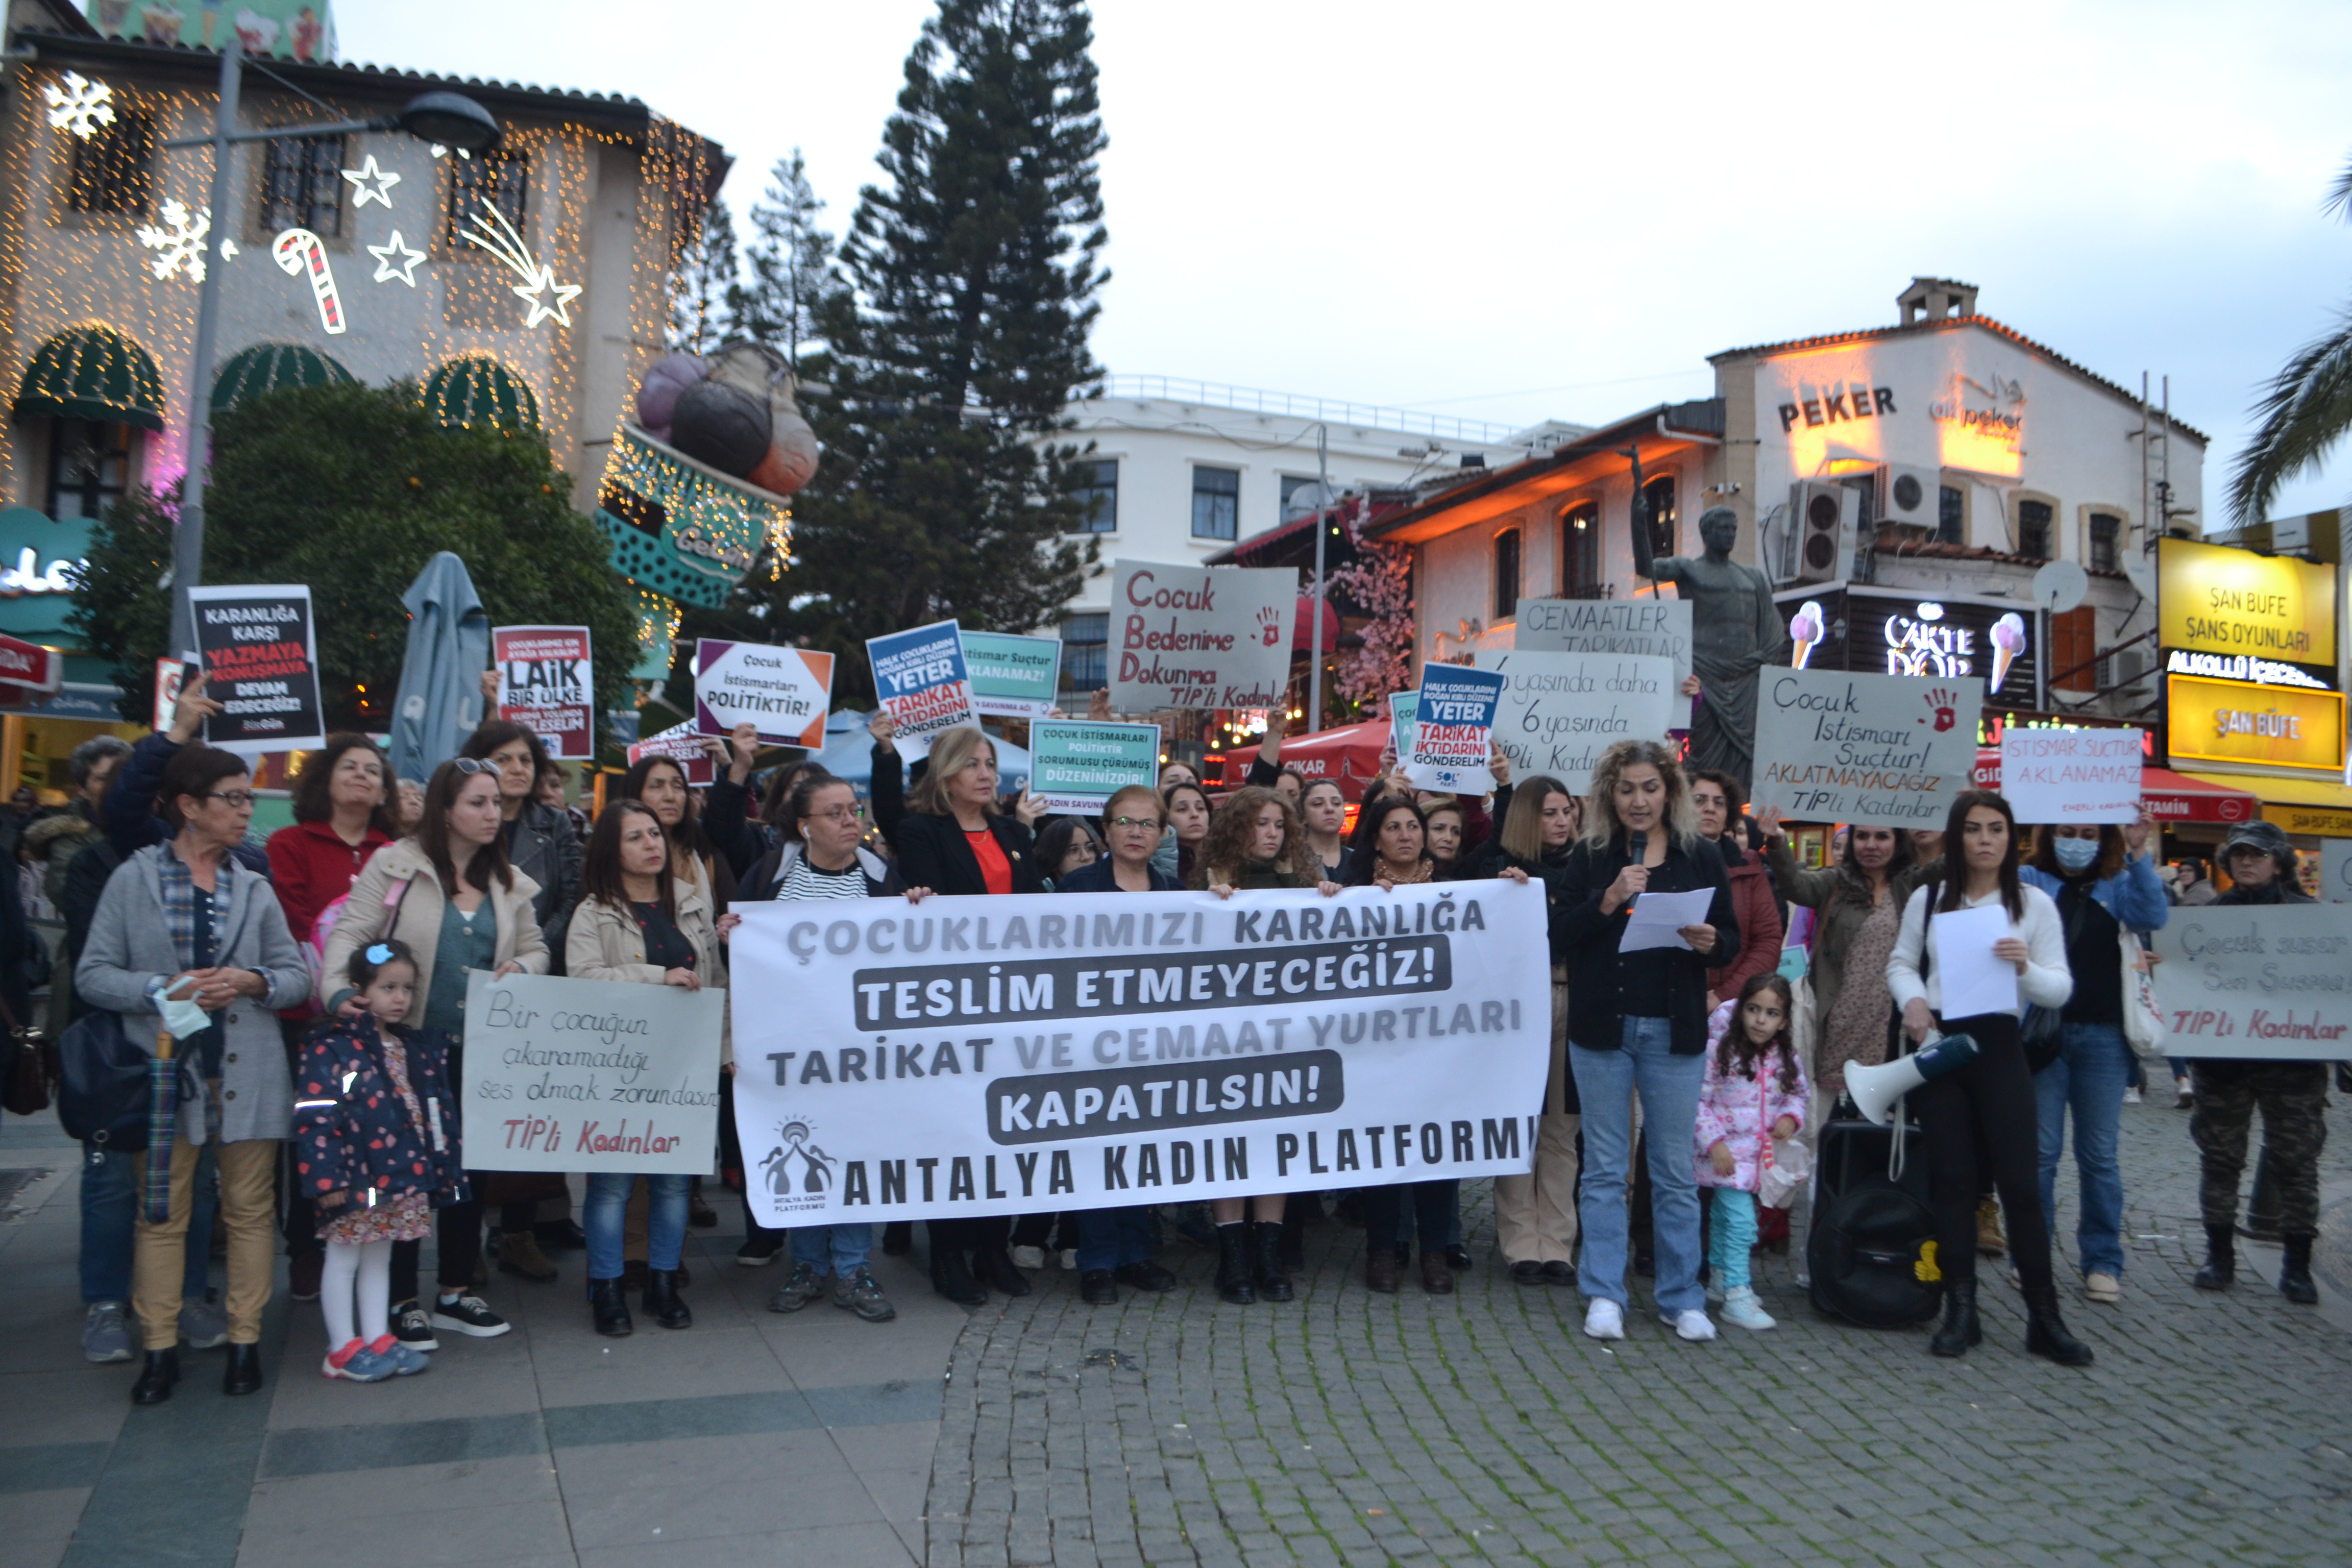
(1402,706)
(920,676)
(1075,765)
(260,657)
(1198,636)
(2071,775)
(1013,677)
(547,684)
(1562,710)
(1454,726)
(1881,750)
(784,690)
(681,744)
(2336,871)
(2270,980)
(1655,628)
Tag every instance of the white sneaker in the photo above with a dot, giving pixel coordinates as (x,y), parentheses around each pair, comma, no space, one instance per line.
(1028,1257)
(2131,1095)
(1604,1320)
(1070,1259)
(1741,1310)
(1714,1294)
(1689,1324)
(2103,1288)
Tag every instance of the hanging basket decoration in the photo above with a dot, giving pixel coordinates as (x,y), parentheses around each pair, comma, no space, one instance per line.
(681,528)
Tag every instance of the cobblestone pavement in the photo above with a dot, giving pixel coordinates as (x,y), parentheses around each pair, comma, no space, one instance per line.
(1359,1428)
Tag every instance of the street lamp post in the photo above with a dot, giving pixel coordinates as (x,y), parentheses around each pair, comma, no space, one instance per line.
(1315,605)
(448,119)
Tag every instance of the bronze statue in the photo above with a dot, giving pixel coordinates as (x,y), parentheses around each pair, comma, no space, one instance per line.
(1735,632)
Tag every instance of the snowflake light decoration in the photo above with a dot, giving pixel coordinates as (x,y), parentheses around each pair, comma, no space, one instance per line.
(81,107)
(538,282)
(180,240)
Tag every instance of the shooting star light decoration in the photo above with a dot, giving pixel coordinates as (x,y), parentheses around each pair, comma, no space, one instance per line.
(538,282)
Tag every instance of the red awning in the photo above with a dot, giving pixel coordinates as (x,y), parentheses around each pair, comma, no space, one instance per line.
(1303,626)
(1351,755)
(2170,796)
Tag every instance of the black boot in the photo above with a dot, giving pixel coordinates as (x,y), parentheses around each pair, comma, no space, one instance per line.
(1960,1330)
(243,1373)
(2045,1331)
(2220,1270)
(663,1302)
(610,1304)
(994,1267)
(1234,1265)
(952,1278)
(155,1380)
(2294,1274)
(898,1238)
(1272,1279)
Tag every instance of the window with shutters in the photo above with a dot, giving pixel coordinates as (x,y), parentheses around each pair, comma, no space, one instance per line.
(2105,551)
(1507,573)
(2033,530)
(114,171)
(1580,552)
(302,186)
(2074,640)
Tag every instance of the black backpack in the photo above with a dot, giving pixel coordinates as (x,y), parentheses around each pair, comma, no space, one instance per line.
(1869,1229)
(103,1083)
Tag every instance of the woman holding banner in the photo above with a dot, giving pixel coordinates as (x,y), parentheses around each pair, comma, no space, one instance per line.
(1637,1023)
(1323,808)
(951,842)
(1254,842)
(448,892)
(1987,1104)
(1115,1244)
(1189,812)
(637,923)
(821,858)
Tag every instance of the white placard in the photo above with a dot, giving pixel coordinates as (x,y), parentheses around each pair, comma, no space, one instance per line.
(975,1055)
(1198,636)
(1879,750)
(590,1074)
(2266,981)
(1969,979)
(1453,728)
(784,690)
(1658,919)
(1562,710)
(2336,871)
(2071,775)
(1655,628)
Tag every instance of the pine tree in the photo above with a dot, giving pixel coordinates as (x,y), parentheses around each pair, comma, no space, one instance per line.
(957,343)
(703,284)
(788,267)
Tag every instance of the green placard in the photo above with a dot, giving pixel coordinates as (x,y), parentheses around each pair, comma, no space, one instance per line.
(1402,706)
(1013,677)
(1076,766)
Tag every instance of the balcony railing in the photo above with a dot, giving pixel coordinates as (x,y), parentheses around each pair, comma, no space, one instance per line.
(1361,416)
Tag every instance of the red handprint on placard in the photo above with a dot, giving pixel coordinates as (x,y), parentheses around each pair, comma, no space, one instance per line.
(1940,710)
(1269,625)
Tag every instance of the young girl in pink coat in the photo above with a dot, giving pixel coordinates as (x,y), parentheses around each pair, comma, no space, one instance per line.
(1754,1088)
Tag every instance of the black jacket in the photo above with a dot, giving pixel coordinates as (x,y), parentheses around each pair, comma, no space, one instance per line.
(762,881)
(1095,877)
(931,850)
(545,848)
(1587,940)
(2277,890)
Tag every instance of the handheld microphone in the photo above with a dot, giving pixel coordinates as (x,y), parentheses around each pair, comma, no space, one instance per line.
(1639,843)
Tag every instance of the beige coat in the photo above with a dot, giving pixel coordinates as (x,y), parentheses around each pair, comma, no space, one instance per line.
(608,944)
(417,920)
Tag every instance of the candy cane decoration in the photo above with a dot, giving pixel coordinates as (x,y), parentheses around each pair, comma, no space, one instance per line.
(298,248)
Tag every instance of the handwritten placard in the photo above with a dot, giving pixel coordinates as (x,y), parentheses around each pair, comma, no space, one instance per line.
(590,1074)
(1199,637)
(1882,750)
(1562,710)
(2071,775)
(2271,981)
(1655,628)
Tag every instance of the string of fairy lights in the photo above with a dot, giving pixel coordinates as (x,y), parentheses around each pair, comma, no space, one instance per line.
(136,272)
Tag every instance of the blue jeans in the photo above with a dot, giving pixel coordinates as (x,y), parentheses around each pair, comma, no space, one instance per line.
(2088,1077)
(109,1209)
(841,1249)
(1732,1237)
(606,1210)
(1113,1237)
(1606,1081)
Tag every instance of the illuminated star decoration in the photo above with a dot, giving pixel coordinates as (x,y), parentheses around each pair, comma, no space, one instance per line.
(180,239)
(538,282)
(81,108)
(373,184)
(394,259)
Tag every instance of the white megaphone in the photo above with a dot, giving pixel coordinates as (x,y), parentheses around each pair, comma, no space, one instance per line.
(1875,1089)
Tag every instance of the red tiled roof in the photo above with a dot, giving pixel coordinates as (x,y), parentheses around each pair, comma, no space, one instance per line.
(1833,339)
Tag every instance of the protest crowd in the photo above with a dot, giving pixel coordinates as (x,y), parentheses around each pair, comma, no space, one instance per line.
(291,1020)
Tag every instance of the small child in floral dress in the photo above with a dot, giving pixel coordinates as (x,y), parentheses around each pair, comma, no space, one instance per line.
(376,1149)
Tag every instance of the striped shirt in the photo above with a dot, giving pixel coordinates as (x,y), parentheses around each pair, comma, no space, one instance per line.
(806,881)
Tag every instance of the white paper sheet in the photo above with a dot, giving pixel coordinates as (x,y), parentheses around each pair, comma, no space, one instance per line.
(1659,918)
(1969,979)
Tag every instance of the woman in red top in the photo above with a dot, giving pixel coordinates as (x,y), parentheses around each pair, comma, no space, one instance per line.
(339,823)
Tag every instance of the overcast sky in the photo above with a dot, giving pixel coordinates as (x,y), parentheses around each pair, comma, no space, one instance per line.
(1510,211)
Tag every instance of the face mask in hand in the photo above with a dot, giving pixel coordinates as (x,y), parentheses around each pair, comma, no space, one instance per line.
(2076,854)
(183,1017)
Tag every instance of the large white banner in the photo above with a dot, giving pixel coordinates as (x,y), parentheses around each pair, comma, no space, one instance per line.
(975,1055)
(1881,750)
(1562,710)
(1200,637)
(2273,981)
(590,1074)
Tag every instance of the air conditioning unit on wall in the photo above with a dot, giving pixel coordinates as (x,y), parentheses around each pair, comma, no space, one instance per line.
(1825,515)
(1909,498)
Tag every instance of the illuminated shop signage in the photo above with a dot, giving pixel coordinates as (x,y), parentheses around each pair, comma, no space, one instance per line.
(2240,667)
(1889,634)
(2213,599)
(1835,404)
(2220,720)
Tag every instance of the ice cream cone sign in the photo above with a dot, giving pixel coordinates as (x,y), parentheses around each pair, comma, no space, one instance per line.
(2008,642)
(1806,629)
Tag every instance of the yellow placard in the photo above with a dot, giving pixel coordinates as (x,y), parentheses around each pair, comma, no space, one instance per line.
(2218,600)
(2231,721)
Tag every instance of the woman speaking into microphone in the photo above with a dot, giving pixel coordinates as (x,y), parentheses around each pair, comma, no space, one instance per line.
(1989,1103)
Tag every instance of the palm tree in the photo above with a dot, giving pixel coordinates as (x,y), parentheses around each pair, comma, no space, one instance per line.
(2306,410)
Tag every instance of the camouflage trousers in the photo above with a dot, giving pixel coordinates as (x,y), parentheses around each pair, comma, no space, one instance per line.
(2293,1097)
